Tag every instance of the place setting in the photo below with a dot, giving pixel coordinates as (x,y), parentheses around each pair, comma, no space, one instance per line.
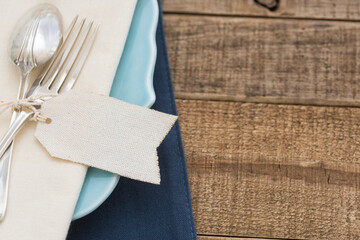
(79,120)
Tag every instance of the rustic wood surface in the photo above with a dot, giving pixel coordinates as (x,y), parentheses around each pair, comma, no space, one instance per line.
(225,238)
(257,60)
(270,117)
(314,9)
(270,170)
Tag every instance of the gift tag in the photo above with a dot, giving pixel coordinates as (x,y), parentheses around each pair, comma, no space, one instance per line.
(105,133)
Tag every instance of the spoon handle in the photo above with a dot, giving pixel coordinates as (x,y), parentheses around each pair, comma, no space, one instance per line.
(24,84)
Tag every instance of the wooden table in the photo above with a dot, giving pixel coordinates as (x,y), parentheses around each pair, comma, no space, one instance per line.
(268,99)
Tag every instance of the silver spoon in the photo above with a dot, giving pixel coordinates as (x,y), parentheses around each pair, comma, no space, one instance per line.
(34,41)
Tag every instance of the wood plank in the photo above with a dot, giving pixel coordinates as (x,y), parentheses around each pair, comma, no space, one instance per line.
(278,61)
(229,238)
(273,171)
(321,9)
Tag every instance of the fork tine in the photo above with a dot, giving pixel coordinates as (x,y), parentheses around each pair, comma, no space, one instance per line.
(75,51)
(71,27)
(80,61)
(62,72)
(45,72)
(53,70)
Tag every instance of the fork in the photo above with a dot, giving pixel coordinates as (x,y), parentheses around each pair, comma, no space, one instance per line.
(59,77)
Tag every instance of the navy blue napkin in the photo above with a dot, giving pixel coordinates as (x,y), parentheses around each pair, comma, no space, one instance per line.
(137,210)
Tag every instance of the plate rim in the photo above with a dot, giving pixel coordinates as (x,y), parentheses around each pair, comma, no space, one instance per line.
(150,101)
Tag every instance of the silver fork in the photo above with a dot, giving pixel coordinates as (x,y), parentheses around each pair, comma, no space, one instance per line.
(59,76)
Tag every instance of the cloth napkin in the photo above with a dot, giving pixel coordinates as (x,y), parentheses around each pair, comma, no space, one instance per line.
(43,191)
(142,211)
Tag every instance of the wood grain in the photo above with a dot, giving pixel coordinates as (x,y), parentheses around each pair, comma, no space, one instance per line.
(273,171)
(228,238)
(278,61)
(321,9)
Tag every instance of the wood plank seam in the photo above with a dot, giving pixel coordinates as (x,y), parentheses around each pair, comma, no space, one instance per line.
(267,100)
(224,237)
(165,12)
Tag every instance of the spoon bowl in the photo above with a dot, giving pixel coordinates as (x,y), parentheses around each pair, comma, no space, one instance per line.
(36,37)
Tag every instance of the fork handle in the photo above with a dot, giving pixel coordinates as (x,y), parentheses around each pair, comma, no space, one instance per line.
(13,130)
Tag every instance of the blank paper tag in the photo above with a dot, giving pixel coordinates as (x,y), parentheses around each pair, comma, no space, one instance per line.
(105,133)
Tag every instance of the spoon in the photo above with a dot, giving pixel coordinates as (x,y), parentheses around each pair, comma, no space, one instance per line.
(34,41)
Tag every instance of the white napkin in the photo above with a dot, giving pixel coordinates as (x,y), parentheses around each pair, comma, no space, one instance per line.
(43,191)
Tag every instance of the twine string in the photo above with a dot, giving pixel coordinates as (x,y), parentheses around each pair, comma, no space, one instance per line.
(30,104)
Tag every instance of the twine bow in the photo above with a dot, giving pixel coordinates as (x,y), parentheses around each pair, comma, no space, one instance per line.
(29,104)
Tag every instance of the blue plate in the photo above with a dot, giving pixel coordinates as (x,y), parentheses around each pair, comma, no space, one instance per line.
(133,83)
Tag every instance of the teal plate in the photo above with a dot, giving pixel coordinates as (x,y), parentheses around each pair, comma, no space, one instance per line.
(133,83)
